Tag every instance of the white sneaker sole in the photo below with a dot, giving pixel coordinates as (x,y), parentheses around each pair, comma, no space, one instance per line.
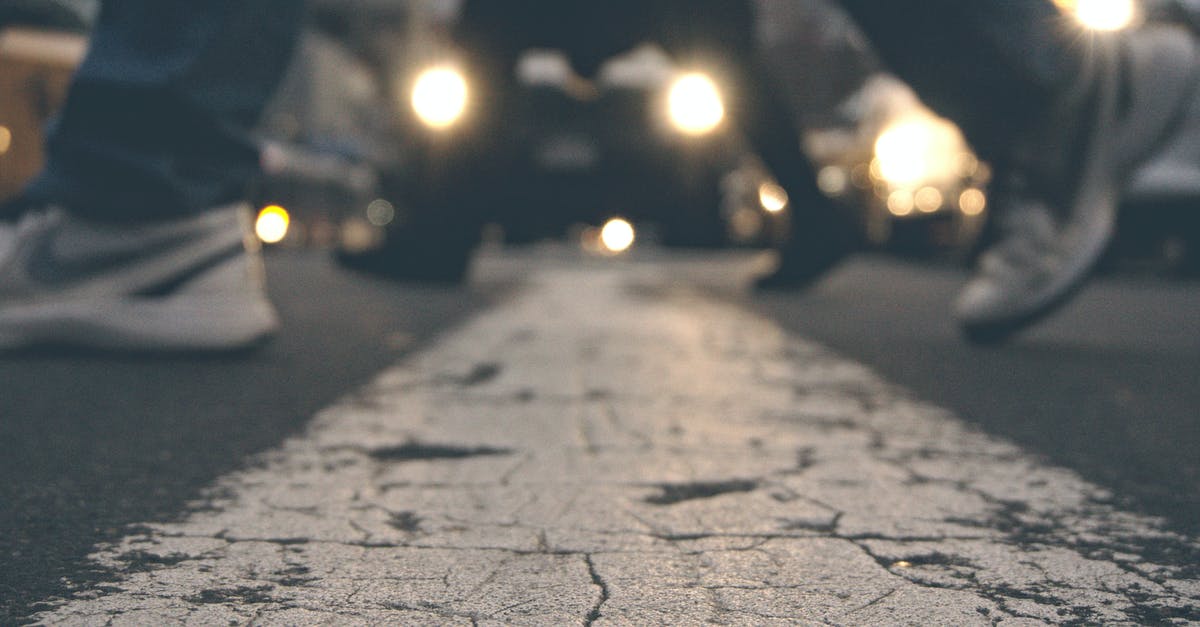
(196,321)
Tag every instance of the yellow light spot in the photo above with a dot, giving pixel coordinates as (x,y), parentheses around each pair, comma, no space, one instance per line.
(272,224)
(617,235)
(1102,15)
(440,96)
(5,139)
(695,105)
(920,149)
(928,199)
(902,564)
(900,203)
(772,197)
(972,202)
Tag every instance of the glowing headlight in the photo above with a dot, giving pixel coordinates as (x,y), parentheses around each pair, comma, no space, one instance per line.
(695,104)
(272,224)
(439,97)
(918,150)
(1102,15)
(617,235)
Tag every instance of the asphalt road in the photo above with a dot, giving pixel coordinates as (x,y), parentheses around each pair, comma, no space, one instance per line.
(1107,387)
(90,444)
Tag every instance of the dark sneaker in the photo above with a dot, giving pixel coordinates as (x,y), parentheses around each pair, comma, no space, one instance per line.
(188,284)
(823,235)
(800,265)
(1056,216)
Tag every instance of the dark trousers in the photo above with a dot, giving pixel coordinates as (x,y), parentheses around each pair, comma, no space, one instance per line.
(992,66)
(158,117)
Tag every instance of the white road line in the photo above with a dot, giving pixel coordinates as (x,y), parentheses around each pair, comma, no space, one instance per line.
(603,449)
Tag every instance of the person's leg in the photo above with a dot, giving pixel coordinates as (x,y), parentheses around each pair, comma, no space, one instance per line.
(1065,115)
(723,35)
(157,119)
(137,235)
(994,67)
(822,233)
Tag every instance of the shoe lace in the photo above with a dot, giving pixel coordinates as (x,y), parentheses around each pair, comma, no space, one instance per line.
(1028,233)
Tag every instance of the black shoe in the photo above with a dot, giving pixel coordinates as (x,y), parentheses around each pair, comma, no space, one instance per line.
(825,238)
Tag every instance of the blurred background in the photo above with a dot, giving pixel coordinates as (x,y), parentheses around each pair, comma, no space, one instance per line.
(368,137)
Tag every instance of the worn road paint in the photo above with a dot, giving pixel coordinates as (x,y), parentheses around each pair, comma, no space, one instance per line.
(608,449)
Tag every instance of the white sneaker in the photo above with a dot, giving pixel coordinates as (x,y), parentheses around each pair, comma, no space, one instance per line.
(195,283)
(1053,233)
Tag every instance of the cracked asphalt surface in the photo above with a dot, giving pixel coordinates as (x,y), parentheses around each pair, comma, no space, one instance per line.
(610,446)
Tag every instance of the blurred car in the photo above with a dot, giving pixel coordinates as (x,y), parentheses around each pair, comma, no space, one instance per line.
(756,209)
(910,173)
(41,43)
(641,139)
(329,135)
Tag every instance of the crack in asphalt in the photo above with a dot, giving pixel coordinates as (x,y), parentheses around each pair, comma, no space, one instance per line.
(674,493)
(778,456)
(598,581)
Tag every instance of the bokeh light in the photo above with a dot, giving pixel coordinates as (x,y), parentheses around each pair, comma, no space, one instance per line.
(272,224)
(695,104)
(440,96)
(617,235)
(928,199)
(972,202)
(772,197)
(833,180)
(1102,15)
(381,212)
(916,150)
(900,202)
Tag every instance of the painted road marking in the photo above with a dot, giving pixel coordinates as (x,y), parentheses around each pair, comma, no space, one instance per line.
(607,449)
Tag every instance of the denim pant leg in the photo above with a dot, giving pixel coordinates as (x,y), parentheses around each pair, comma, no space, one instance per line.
(157,120)
(992,66)
(722,35)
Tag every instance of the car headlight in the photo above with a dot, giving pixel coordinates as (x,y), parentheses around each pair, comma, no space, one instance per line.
(694,104)
(272,224)
(439,96)
(918,150)
(1102,15)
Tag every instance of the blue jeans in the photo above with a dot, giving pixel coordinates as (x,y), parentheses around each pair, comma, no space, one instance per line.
(158,117)
(157,121)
